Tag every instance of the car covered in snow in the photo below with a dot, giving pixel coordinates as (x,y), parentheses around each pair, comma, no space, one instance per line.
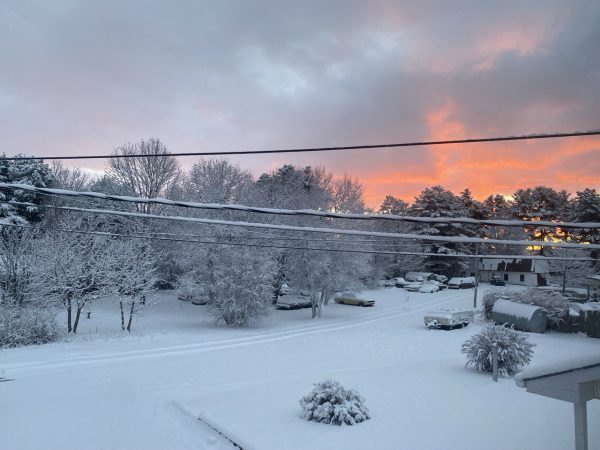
(429,288)
(448,318)
(401,282)
(461,283)
(440,278)
(414,286)
(389,283)
(292,302)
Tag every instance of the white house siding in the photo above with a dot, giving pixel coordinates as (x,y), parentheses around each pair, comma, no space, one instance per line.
(488,268)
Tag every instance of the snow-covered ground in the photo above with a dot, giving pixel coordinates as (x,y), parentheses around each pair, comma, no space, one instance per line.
(103,389)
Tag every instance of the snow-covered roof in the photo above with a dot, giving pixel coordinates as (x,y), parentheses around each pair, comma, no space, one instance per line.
(581,361)
(515,309)
(563,379)
(594,277)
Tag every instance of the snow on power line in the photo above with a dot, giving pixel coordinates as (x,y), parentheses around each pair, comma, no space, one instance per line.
(338,231)
(299,212)
(322,249)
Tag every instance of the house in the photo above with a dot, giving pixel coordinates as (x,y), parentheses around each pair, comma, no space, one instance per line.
(526,272)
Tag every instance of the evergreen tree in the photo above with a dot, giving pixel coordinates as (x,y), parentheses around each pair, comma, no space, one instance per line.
(393,205)
(33,172)
(439,202)
(541,203)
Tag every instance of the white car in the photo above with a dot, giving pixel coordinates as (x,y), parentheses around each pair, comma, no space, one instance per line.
(429,288)
(415,286)
(400,282)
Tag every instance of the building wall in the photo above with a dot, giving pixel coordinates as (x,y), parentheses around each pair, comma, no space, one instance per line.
(528,278)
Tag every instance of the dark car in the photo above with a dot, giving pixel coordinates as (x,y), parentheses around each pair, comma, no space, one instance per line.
(497,282)
(461,283)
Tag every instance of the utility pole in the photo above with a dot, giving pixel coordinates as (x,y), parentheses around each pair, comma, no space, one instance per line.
(476,276)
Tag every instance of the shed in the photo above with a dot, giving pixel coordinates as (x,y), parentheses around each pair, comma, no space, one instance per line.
(575,380)
(522,317)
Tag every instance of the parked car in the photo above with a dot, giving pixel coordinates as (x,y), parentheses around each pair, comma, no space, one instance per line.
(292,302)
(401,282)
(415,286)
(389,283)
(284,289)
(418,276)
(440,278)
(440,285)
(351,299)
(429,288)
(497,281)
(461,283)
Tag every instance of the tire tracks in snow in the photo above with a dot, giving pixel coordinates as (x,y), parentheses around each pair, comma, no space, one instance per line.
(367,317)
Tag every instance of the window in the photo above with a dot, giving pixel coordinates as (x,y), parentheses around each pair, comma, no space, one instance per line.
(505,277)
(522,277)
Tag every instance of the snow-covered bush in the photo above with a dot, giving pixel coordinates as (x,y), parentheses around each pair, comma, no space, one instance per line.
(27,326)
(514,350)
(488,302)
(329,402)
(554,305)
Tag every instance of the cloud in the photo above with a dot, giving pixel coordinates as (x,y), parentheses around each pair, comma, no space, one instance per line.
(84,77)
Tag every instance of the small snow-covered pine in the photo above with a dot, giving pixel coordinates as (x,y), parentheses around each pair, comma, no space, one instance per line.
(329,402)
(514,350)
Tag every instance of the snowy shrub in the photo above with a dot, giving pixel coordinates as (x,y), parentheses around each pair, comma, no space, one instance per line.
(554,305)
(329,402)
(514,350)
(488,302)
(27,326)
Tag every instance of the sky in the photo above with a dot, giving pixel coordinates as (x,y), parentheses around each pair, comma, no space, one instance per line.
(83,77)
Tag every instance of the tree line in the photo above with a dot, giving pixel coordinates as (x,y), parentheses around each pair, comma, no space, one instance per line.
(70,271)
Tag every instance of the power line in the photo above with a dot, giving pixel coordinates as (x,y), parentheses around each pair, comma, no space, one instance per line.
(322,149)
(245,244)
(338,231)
(300,212)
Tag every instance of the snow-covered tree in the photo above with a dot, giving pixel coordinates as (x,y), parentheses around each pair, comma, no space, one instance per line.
(289,187)
(347,196)
(585,207)
(74,270)
(239,286)
(131,277)
(147,175)
(218,181)
(569,272)
(439,202)
(17,265)
(329,402)
(393,205)
(324,273)
(514,350)
(541,203)
(498,207)
(31,171)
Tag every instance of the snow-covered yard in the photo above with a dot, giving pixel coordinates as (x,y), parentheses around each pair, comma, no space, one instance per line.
(145,390)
